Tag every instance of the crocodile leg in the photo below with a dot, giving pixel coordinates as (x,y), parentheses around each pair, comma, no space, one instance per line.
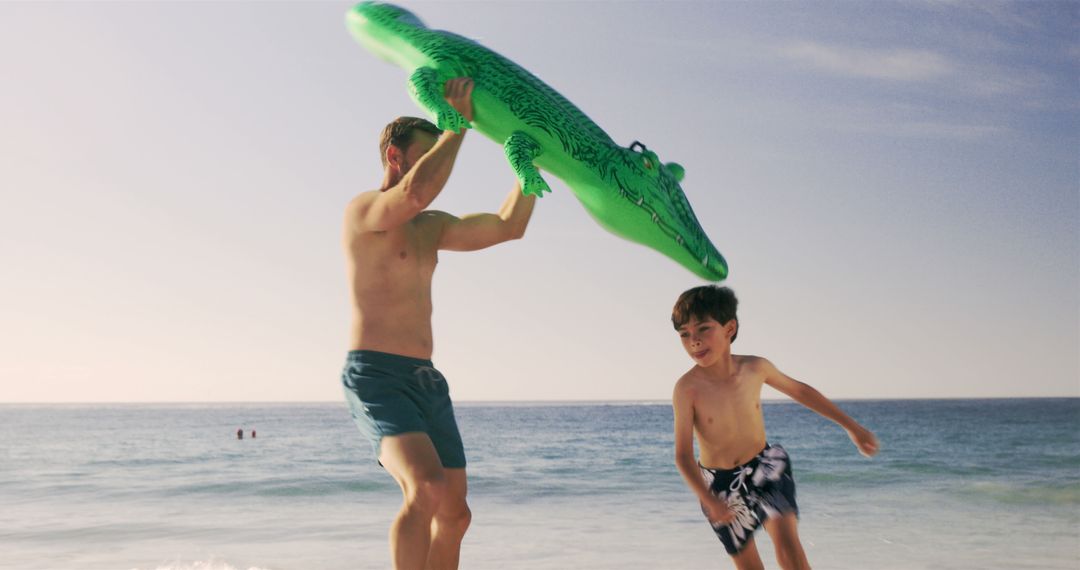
(521,150)
(427,91)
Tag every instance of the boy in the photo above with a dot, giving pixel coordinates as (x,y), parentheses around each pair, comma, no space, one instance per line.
(741,480)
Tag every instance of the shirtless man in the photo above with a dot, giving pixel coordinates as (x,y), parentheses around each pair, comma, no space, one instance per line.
(396,396)
(741,481)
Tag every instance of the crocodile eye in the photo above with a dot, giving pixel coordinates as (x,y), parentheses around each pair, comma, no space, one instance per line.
(647,163)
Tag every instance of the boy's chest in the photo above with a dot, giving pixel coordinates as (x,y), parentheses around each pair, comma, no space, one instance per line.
(737,395)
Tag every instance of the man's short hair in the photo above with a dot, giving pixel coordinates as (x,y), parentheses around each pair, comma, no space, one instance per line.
(400,133)
(706,301)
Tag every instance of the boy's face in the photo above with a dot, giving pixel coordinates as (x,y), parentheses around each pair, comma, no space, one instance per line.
(706,340)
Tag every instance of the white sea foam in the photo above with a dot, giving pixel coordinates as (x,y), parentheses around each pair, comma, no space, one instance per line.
(201,565)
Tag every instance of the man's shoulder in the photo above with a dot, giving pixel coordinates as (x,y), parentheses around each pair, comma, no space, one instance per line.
(354,210)
(362,198)
(432,216)
(431,221)
(355,207)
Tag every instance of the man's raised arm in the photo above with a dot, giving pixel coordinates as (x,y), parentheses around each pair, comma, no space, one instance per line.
(417,185)
(477,231)
(380,210)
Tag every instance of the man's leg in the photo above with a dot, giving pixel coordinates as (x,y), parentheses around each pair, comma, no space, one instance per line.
(748,558)
(450,523)
(411,459)
(784,532)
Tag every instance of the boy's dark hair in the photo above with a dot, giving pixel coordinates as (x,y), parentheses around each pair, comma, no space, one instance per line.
(400,133)
(706,301)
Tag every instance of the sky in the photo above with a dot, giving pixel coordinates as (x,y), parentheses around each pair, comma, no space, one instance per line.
(896,187)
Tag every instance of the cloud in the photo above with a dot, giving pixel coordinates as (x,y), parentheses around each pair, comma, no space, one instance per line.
(1007,14)
(924,129)
(895,121)
(889,64)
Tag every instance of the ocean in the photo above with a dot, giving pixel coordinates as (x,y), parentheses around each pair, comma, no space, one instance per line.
(959,484)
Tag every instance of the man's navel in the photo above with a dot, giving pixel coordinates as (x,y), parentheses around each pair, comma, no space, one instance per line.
(403,254)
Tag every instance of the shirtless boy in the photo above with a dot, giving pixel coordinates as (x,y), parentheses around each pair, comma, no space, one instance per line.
(741,481)
(397,397)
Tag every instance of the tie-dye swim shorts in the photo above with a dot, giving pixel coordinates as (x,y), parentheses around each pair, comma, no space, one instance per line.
(759,489)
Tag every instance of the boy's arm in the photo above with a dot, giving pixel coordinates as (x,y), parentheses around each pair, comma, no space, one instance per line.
(380,211)
(806,395)
(683,406)
(477,231)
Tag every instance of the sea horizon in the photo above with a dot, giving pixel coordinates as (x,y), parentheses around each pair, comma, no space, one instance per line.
(552,402)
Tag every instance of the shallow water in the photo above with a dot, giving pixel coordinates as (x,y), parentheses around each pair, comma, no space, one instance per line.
(959,484)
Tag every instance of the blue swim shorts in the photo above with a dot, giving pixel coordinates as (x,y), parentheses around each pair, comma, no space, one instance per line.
(390,394)
(755,491)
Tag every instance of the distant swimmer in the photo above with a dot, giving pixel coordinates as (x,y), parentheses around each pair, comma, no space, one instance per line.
(252,434)
(741,481)
(240,433)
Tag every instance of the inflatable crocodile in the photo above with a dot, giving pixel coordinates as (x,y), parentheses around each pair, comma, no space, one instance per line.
(627,190)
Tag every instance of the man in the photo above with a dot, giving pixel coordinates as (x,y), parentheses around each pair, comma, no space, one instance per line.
(395,394)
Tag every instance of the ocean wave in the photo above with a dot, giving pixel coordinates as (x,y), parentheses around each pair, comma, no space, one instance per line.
(323,488)
(285,487)
(851,478)
(200,565)
(1024,493)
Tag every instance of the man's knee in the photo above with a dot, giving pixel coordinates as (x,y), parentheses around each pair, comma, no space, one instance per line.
(427,495)
(454,516)
(459,518)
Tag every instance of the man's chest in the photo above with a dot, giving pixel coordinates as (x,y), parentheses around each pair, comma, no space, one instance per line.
(406,249)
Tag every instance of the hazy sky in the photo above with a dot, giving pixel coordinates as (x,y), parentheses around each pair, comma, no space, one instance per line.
(895,186)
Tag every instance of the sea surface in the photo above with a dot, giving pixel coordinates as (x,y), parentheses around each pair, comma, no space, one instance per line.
(959,484)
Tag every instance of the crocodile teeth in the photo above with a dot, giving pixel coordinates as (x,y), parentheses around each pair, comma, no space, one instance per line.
(705,260)
(640,200)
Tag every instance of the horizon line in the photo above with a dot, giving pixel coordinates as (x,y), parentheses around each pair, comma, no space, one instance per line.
(514,402)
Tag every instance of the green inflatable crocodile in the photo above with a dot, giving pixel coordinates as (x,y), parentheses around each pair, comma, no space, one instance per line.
(627,190)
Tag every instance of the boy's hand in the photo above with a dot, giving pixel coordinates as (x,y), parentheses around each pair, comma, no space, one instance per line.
(864,439)
(458,93)
(716,510)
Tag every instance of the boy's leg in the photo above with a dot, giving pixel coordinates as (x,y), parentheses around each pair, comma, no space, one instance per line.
(450,523)
(784,531)
(411,459)
(748,558)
